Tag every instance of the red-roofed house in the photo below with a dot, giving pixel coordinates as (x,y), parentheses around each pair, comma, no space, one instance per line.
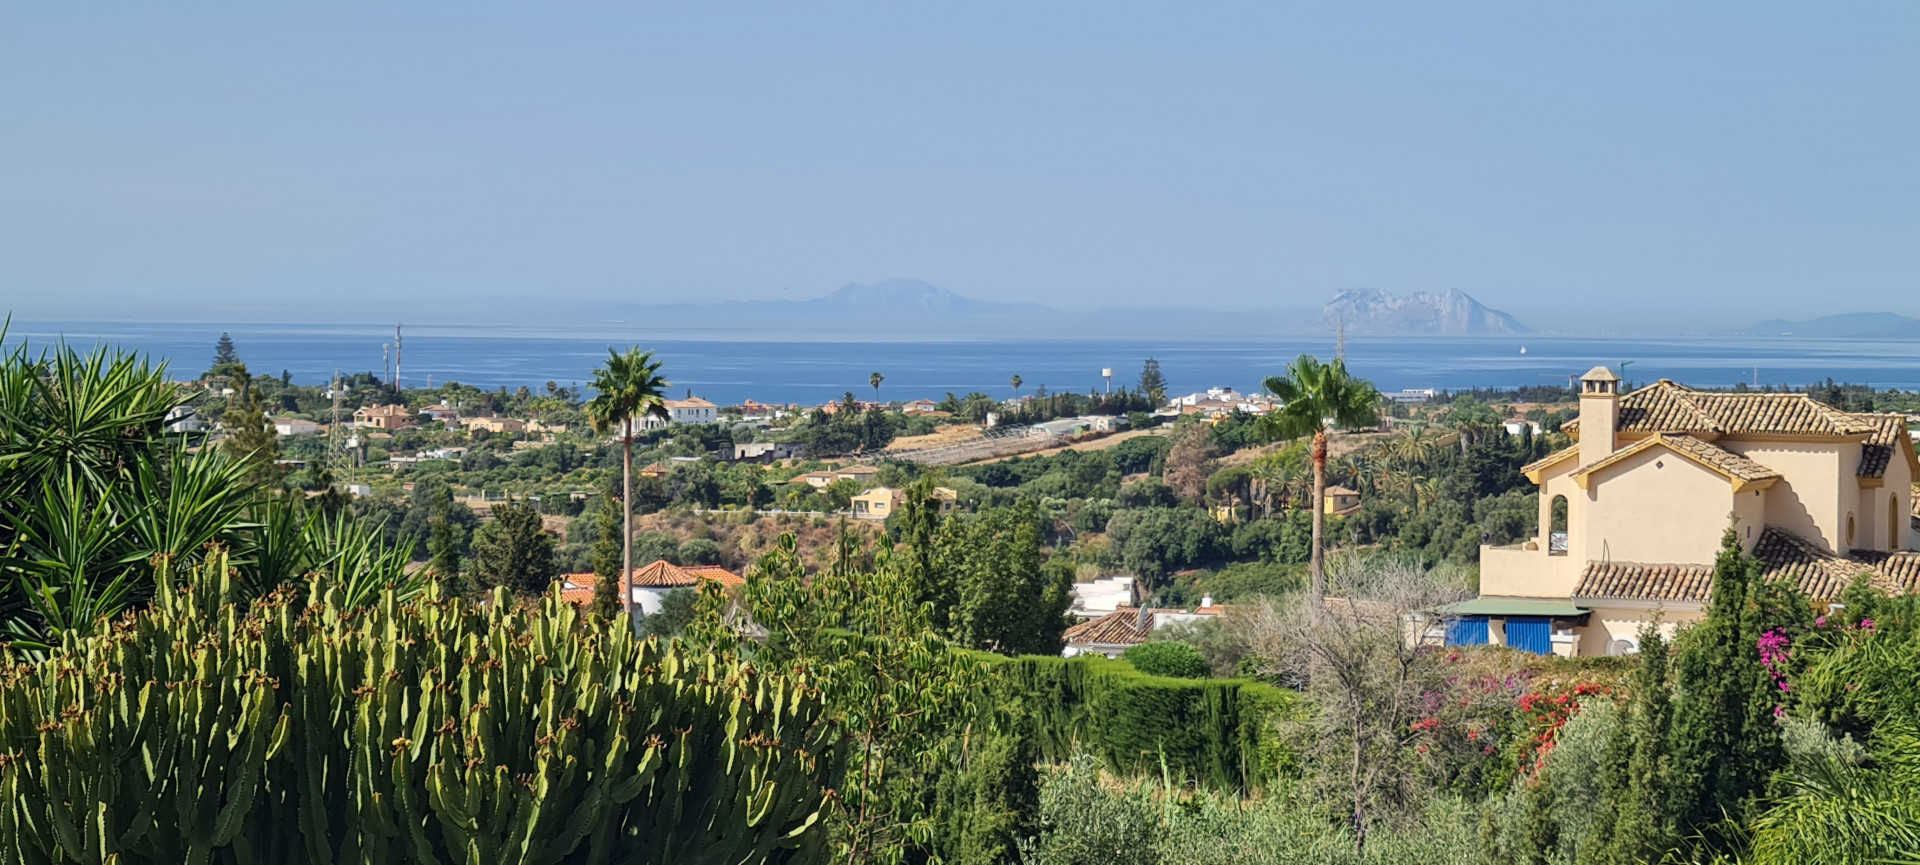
(652,583)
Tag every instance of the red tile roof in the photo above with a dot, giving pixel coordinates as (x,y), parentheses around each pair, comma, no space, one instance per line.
(659,575)
(1783,556)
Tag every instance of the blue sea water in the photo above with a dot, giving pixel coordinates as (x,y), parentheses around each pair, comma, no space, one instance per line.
(730,368)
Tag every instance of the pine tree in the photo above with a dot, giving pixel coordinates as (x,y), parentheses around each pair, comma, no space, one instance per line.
(1725,741)
(250,436)
(514,550)
(606,559)
(224,357)
(1152,384)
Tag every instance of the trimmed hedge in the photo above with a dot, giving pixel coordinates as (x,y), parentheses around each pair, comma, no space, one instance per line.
(1221,733)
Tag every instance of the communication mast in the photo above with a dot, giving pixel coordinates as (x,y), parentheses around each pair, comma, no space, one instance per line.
(396,360)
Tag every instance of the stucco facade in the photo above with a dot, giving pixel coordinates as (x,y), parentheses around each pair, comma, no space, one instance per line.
(1655,478)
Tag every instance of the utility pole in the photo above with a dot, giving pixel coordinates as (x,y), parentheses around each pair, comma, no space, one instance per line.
(333,426)
(386,362)
(1340,338)
(396,360)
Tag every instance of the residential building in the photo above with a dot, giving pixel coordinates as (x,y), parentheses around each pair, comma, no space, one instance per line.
(443,413)
(1632,515)
(494,424)
(293,426)
(1519,425)
(766,452)
(858,473)
(1113,634)
(653,470)
(1411,395)
(183,419)
(817,480)
(651,584)
(1340,501)
(880,502)
(1103,596)
(919,406)
(387,417)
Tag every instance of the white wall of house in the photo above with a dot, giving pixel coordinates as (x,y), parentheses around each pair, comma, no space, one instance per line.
(1632,517)
(1808,499)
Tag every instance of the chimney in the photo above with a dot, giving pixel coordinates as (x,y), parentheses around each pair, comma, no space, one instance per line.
(1143,620)
(1206,601)
(1599,414)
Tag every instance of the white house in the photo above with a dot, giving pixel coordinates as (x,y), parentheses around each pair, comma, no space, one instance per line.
(290,426)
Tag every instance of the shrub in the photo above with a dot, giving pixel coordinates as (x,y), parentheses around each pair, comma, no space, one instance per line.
(1168,658)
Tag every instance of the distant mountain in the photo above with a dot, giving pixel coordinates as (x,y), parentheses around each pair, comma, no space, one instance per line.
(1370,310)
(1852,325)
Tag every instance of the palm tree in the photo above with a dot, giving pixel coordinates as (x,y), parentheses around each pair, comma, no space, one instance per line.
(1016,386)
(875,380)
(1315,398)
(628,387)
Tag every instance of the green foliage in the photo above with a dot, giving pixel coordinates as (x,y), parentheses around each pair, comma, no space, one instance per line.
(431,731)
(606,558)
(514,551)
(1088,820)
(1725,741)
(678,609)
(1222,733)
(1168,658)
(1009,599)
(1152,383)
(992,801)
(251,439)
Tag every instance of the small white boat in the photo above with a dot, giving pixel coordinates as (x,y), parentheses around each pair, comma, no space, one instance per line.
(1523,349)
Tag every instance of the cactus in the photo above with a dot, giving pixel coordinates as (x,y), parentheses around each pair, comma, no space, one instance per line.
(305,730)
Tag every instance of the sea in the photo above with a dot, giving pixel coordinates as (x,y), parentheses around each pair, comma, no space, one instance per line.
(728,368)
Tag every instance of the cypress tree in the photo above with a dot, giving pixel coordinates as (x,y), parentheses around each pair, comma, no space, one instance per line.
(606,558)
(1639,822)
(514,550)
(443,542)
(1725,743)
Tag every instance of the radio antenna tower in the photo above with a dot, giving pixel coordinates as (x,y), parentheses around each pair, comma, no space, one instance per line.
(396,360)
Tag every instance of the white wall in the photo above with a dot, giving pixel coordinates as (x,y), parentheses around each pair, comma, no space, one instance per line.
(1657,507)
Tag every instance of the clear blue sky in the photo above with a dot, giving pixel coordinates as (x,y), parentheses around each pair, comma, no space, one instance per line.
(1749,159)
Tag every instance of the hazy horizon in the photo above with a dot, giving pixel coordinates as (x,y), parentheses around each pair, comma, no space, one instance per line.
(362,163)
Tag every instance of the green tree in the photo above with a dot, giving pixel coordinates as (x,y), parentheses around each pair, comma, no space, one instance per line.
(443,541)
(514,550)
(1153,385)
(1011,601)
(1637,823)
(875,380)
(1316,397)
(1016,382)
(606,558)
(250,435)
(992,802)
(224,357)
(627,389)
(1726,744)
(677,610)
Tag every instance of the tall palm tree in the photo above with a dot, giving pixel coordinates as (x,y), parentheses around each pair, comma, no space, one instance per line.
(1315,399)
(875,380)
(629,387)
(1016,381)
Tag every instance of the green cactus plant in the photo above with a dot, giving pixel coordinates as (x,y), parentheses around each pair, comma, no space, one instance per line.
(303,729)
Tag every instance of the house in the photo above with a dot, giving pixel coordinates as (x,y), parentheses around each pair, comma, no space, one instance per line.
(653,470)
(1632,515)
(1103,596)
(1129,626)
(651,584)
(1105,423)
(387,417)
(766,452)
(183,419)
(880,502)
(494,424)
(919,406)
(293,426)
(1340,501)
(1519,426)
(859,474)
(443,413)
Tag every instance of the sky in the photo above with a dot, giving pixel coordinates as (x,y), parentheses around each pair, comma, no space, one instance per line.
(1570,163)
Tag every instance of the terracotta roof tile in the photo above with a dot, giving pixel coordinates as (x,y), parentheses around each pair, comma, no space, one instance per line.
(659,575)
(1118,628)
(1783,556)
(1890,434)
(1634,581)
(1712,456)
(1668,407)
(1550,459)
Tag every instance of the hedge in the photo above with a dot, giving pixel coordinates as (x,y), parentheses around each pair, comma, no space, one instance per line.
(1221,733)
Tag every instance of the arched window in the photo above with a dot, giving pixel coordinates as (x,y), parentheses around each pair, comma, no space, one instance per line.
(1850,532)
(1557,526)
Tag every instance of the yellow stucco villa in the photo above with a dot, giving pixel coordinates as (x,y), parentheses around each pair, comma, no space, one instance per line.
(1632,515)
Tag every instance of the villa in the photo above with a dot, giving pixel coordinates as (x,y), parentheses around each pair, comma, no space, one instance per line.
(1632,515)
